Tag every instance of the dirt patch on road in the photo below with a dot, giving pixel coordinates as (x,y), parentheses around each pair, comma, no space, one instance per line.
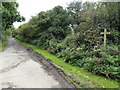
(51,69)
(11,67)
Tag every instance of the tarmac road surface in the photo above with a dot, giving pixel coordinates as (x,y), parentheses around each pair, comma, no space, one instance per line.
(19,70)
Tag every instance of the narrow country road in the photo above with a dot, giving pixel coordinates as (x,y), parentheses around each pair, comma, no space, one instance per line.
(18,69)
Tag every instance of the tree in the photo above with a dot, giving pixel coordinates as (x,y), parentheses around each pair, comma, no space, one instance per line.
(10,14)
(74,9)
(60,22)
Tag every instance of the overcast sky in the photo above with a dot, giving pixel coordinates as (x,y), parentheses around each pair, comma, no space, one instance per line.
(28,8)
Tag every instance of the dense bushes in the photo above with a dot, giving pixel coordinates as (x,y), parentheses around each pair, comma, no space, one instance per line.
(100,62)
(82,46)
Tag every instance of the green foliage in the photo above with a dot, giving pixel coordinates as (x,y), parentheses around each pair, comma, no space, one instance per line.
(50,30)
(51,24)
(10,14)
(105,65)
(3,41)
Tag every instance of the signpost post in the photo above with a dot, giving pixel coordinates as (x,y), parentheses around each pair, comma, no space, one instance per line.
(105,33)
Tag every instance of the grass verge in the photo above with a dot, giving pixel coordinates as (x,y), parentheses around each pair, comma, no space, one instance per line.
(3,45)
(85,78)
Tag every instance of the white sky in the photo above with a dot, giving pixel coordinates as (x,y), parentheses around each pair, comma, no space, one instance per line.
(28,8)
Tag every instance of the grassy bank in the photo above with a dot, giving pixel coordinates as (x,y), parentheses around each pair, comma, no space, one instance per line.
(3,45)
(3,41)
(85,78)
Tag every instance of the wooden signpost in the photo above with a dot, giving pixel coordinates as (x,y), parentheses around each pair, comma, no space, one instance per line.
(105,33)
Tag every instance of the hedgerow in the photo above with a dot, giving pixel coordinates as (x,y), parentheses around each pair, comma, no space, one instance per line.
(82,46)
